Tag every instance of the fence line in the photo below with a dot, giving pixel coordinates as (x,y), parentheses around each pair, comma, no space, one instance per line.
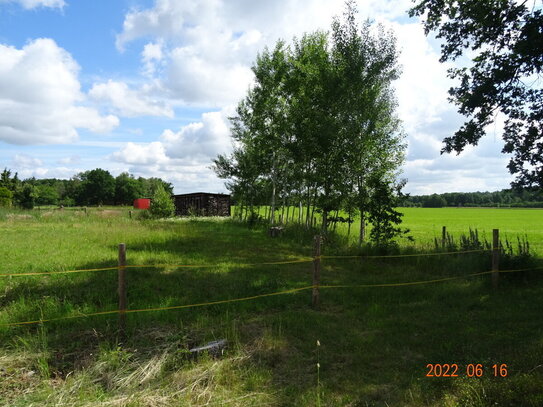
(315,286)
(254,297)
(43,273)
(302,260)
(406,255)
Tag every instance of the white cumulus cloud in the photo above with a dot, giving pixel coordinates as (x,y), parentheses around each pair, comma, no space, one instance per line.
(127,102)
(202,140)
(183,157)
(151,56)
(30,4)
(142,154)
(40,96)
(200,52)
(26,161)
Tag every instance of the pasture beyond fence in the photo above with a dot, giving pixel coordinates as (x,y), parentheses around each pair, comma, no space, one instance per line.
(122,269)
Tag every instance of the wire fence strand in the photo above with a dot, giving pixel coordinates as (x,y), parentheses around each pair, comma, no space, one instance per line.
(254,297)
(301,260)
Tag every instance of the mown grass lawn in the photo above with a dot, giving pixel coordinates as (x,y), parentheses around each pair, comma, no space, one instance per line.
(375,343)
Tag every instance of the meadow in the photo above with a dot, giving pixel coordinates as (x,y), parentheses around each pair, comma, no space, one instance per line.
(425,224)
(372,344)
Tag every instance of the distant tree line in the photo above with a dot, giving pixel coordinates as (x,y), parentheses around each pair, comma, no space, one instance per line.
(94,187)
(525,198)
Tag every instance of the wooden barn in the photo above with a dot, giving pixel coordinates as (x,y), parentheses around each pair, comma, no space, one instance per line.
(202,204)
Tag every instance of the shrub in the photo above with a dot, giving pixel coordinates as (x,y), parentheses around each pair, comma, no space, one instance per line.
(161,204)
(5,197)
(26,196)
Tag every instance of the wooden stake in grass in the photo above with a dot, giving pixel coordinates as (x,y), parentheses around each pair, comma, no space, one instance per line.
(122,288)
(495,257)
(316,271)
(443,237)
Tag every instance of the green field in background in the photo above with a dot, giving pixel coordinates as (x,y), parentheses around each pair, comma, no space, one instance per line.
(425,224)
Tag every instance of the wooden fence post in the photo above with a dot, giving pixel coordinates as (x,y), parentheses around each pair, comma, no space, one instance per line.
(443,237)
(130,214)
(122,289)
(495,257)
(316,272)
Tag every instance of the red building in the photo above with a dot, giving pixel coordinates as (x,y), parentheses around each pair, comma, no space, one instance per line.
(142,203)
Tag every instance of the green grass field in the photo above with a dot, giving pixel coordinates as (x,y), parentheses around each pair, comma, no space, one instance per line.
(426,224)
(375,342)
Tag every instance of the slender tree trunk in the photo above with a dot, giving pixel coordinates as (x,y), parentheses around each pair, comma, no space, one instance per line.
(336,216)
(283,211)
(273,202)
(308,211)
(362,226)
(313,217)
(288,210)
(300,211)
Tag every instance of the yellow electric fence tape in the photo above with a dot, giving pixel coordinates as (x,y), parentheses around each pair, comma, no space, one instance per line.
(405,255)
(46,273)
(295,290)
(43,273)
(302,260)
(159,308)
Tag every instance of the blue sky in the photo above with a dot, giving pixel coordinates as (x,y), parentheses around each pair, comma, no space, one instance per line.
(146,86)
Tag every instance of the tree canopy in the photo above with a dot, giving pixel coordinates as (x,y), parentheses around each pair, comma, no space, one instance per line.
(93,187)
(504,39)
(319,127)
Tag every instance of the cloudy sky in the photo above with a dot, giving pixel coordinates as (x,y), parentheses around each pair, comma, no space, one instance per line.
(146,86)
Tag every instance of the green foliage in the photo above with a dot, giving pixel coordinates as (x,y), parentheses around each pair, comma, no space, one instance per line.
(67,202)
(524,198)
(148,186)
(97,187)
(434,201)
(9,182)
(505,40)
(309,102)
(5,197)
(26,196)
(46,195)
(162,205)
(127,188)
(382,213)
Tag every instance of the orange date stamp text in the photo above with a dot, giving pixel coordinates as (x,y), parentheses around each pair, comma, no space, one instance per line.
(469,370)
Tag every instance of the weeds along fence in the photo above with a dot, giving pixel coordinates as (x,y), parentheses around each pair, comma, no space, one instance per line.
(122,267)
